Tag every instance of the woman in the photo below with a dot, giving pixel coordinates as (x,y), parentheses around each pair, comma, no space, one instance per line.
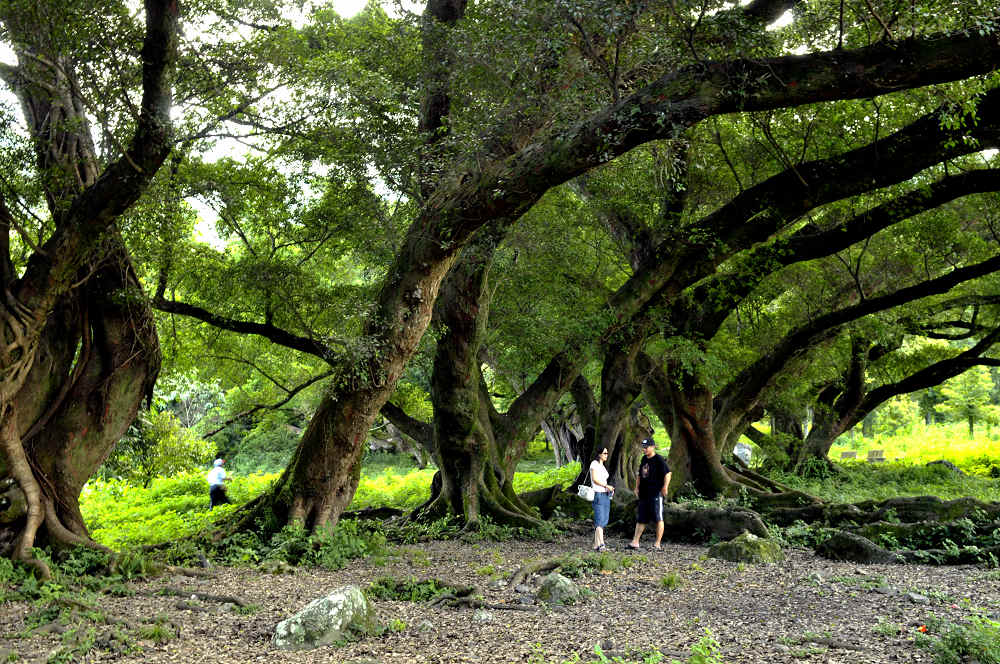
(602,497)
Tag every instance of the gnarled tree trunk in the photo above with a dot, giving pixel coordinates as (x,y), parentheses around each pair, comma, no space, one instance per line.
(98,357)
(85,200)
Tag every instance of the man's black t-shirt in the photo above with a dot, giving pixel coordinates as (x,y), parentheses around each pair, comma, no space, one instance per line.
(652,471)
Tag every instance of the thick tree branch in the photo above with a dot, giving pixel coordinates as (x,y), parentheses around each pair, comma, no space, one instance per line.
(524,416)
(706,306)
(762,210)
(683,98)
(420,431)
(934,374)
(98,206)
(274,406)
(743,389)
(270,332)
(768,11)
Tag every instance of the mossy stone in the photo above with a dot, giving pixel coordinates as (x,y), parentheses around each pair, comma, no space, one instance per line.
(748,548)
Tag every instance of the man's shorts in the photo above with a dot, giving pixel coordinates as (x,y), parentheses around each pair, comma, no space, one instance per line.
(650,509)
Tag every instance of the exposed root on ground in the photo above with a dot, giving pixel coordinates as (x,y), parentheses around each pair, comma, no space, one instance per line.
(499,502)
(746,473)
(535,567)
(468,597)
(189,571)
(207,597)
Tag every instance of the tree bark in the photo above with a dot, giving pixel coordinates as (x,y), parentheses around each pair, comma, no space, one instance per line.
(474,479)
(74,406)
(85,202)
(687,409)
(620,386)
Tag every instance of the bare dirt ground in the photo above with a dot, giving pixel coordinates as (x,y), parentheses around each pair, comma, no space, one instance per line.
(806,609)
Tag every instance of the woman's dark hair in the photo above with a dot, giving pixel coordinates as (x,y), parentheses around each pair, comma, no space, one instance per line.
(600,451)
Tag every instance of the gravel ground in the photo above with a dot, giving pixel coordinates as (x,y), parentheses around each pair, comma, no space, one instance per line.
(806,609)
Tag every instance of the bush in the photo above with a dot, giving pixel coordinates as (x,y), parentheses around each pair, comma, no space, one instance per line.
(156,446)
(978,641)
(267,448)
(407,590)
(390,489)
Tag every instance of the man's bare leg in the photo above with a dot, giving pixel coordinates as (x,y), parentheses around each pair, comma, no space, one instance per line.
(639,527)
(659,534)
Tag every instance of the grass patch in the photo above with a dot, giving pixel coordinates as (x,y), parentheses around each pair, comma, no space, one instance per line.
(578,565)
(407,590)
(671,581)
(862,582)
(978,640)
(925,443)
(865,481)
(123,516)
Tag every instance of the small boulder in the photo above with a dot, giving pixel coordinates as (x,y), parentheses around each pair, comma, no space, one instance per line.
(326,620)
(748,548)
(557,589)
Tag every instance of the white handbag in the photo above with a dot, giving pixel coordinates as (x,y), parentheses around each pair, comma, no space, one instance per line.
(585,492)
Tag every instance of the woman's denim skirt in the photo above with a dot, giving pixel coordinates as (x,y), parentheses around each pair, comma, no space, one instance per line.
(602,508)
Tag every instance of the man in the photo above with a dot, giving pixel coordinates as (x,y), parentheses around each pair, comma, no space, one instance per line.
(654,478)
(217,485)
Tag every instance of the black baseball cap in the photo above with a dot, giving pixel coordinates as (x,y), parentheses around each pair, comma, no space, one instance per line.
(648,442)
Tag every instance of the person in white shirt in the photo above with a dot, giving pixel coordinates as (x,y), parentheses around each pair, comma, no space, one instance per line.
(217,485)
(602,497)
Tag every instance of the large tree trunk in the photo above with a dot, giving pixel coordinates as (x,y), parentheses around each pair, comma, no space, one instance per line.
(686,408)
(827,426)
(586,409)
(473,477)
(98,358)
(694,456)
(84,202)
(616,420)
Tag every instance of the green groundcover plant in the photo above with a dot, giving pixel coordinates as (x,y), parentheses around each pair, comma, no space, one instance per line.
(121,515)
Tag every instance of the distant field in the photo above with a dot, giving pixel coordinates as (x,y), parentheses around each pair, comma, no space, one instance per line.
(931,443)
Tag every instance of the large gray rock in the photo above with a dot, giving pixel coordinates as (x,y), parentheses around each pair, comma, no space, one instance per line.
(748,548)
(557,589)
(842,545)
(327,620)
